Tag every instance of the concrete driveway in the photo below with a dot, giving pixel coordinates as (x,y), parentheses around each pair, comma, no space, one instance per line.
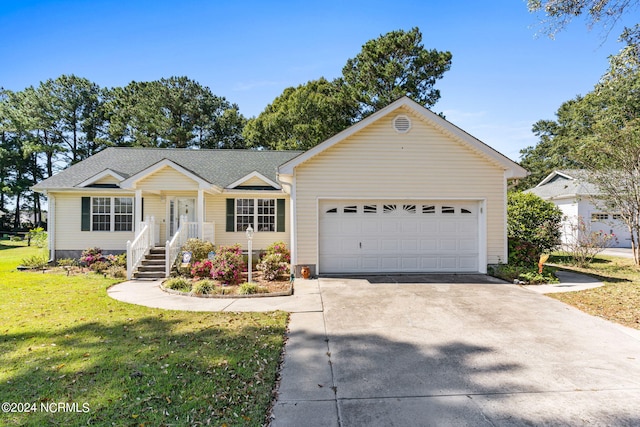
(475,353)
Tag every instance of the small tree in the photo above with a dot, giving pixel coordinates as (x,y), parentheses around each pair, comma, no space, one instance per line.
(533,227)
(583,244)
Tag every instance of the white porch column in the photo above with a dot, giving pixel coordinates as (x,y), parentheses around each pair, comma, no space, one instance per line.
(201,214)
(51,225)
(137,212)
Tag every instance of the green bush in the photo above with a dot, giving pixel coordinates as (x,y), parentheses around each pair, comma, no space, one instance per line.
(251,288)
(15,238)
(535,278)
(99,266)
(178,284)
(67,262)
(528,275)
(204,287)
(116,271)
(36,261)
(38,237)
(199,249)
(507,272)
(119,260)
(533,227)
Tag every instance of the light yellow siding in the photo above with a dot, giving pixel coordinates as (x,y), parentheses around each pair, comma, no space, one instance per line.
(253,181)
(108,179)
(68,215)
(167,178)
(216,210)
(68,232)
(377,163)
(156,207)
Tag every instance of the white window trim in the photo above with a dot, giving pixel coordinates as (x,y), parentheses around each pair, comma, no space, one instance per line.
(112,214)
(254,223)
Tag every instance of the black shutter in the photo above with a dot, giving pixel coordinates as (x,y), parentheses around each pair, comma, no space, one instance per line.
(280,215)
(85,223)
(231,218)
(142,208)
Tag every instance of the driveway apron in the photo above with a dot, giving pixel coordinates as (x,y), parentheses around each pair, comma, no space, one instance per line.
(468,354)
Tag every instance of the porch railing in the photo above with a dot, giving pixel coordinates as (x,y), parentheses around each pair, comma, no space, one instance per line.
(187,230)
(172,247)
(140,246)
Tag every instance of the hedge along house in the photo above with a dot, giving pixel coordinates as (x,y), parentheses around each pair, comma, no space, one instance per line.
(151,197)
(403,190)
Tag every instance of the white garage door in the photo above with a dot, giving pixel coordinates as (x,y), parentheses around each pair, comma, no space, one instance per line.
(398,236)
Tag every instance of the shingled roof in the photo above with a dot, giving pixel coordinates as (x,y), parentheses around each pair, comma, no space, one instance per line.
(565,183)
(218,167)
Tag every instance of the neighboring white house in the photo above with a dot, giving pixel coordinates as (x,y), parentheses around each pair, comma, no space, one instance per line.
(403,190)
(578,198)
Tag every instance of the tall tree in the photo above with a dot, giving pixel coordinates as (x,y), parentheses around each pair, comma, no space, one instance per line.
(611,152)
(78,104)
(393,65)
(302,117)
(176,113)
(600,132)
(606,13)
(555,139)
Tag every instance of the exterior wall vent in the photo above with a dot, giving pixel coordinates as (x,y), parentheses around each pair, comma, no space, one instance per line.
(402,124)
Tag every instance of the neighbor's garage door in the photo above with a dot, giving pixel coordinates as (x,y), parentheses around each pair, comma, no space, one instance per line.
(398,236)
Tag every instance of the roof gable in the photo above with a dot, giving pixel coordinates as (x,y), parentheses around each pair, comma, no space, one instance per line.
(132,181)
(107,176)
(254,179)
(512,169)
(565,184)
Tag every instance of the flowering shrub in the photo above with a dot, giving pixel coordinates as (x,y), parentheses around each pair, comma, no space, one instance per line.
(275,261)
(279,248)
(202,269)
(117,260)
(228,264)
(91,255)
(273,266)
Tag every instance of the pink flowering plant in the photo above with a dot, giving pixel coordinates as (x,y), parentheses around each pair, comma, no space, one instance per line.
(275,262)
(228,265)
(202,269)
(91,255)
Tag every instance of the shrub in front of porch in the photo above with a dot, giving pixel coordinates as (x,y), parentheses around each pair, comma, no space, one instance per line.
(199,249)
(228,265)
(202,269)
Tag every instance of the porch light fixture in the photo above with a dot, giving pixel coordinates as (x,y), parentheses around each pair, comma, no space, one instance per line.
(249,233)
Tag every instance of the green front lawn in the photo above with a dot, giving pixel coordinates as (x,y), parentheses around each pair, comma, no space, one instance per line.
(67,348)
(617,301)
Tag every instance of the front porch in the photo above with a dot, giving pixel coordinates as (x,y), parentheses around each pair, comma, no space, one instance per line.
(147,258)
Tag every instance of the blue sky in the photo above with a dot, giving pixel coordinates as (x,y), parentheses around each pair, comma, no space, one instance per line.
(502,80)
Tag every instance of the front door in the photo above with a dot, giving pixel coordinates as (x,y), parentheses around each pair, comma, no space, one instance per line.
(179,207)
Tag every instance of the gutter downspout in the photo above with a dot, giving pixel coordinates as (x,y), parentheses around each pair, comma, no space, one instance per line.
(51,226)
(292,223)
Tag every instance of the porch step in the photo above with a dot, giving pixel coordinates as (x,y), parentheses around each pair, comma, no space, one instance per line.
(149,275)
(153,266)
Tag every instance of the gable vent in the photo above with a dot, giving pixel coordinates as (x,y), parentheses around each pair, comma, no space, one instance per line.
(402,124)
